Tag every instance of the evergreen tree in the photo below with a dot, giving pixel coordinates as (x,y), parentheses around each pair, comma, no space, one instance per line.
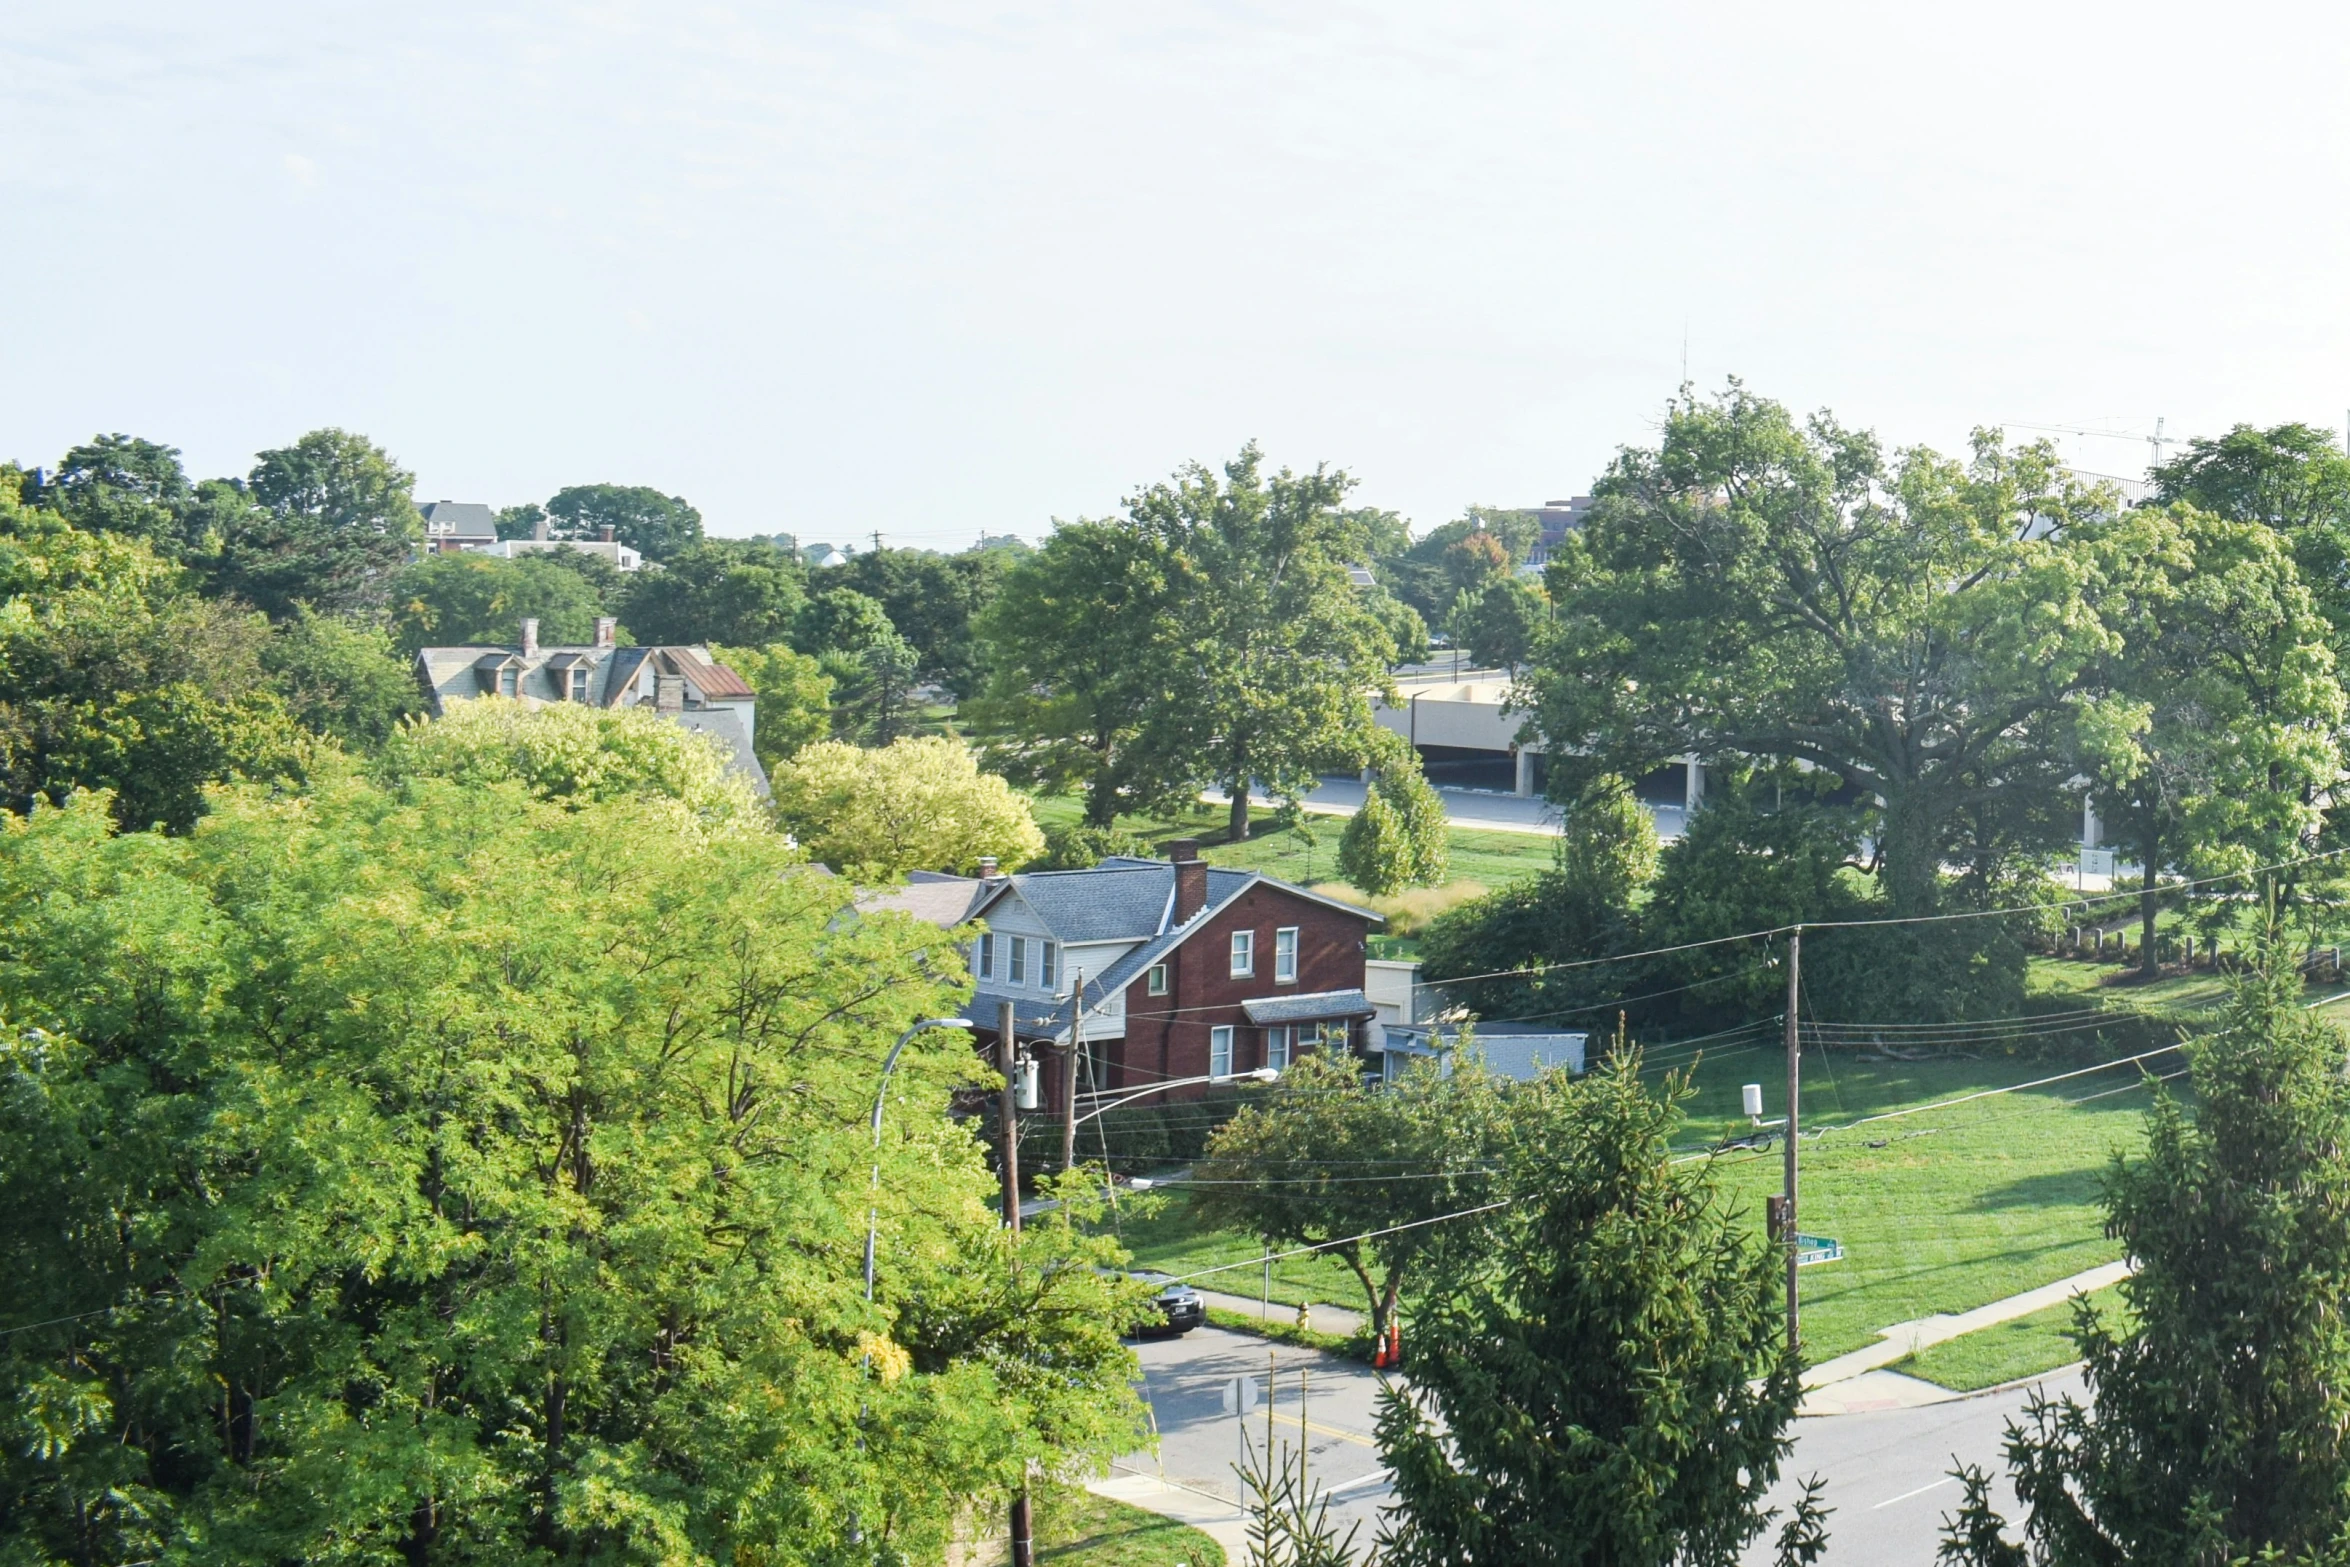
(2218,1423)
(1601,1374)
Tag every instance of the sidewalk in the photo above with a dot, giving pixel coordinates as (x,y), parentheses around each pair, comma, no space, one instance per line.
(1856,1383)
(1326,1319)
(1471,808)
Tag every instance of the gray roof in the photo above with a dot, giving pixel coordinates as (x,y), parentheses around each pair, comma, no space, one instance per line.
(1309,1008)
(463,519)
(1122,903)
(944,901)
(725,725)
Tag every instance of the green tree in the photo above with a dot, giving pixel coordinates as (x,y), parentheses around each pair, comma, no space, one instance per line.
(879,706)
(2221,729)
(1924,630)
(916,805)
(719,590)
(1373,852)
(466,599)
(1271,656)
(2290,477)
(521,522)
(1072,648)
(934,601)
(656,526)
(840,620)
(122,484)
(1501,623)
(1585,907)
(323,522)
(114,677)
(458,1177)
(1308,1164)
(573,753)
(342,678)
(2217,1427)
(795,699)
(1603,1373)
(1418,572)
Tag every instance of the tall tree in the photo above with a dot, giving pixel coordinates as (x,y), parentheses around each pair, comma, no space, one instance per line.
(1924,630)
(342,677)
(467,599)
(1073,662)
(657,526)
(113,676)
(840,620)
(916,805)
(1603,1374)
(720,590)
(2217,1427)
(2291,477)
(933,601)
(795,698)
(122,484)
(457,1177)
(1273,657)
(1324,1160)
(2221,733)
(323,522)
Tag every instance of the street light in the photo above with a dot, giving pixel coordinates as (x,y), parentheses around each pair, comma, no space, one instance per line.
(1263,1074)
(880,1094)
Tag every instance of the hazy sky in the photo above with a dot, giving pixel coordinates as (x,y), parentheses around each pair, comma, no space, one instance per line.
(939,269)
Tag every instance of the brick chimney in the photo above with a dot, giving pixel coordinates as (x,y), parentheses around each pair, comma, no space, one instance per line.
(1191,878)
(987,867)
(538,529)
(605,533)
(530,637)
(605,625)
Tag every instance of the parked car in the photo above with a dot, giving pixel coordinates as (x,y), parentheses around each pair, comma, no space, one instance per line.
(1180,1306)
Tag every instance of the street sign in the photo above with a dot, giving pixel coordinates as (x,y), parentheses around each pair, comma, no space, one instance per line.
(1810,1249)
(1241,1395)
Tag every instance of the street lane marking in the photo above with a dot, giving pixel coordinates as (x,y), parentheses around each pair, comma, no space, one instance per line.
(1920,1491)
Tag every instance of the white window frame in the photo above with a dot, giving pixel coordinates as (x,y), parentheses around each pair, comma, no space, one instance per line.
(1277,1047)
(1154,980)
(987,954)
(1244,954)
(1048,966)
(1018,973)
(1285,955)
(1220,1050)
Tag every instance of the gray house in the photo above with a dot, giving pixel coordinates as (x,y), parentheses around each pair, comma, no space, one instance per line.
(684,684)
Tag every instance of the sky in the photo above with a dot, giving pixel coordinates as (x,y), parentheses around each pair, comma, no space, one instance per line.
(943,270)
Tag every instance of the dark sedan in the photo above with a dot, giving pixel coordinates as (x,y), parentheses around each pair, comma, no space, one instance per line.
(1180,1307)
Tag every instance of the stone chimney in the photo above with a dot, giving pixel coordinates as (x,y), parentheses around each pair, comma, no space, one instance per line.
(530,637)
(1191,878)
(987,867)
(669,693)
(605,533)
(538,529)
(605,625)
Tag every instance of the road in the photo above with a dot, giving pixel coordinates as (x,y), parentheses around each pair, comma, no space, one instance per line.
(1887,1473)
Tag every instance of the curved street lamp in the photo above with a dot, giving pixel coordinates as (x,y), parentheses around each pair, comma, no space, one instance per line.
(880,1095)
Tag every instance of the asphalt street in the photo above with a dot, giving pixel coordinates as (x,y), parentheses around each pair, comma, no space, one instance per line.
(1887,1473)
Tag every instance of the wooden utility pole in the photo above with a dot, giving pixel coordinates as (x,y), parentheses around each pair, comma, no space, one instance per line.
(1008,1060)
(1069,1073)
(1794,1110)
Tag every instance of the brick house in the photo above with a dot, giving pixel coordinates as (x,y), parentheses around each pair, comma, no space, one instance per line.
(1189,969)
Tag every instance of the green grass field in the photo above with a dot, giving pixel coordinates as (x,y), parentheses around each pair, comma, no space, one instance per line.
(1168,1238)
(1075,1528)
(2022,1348)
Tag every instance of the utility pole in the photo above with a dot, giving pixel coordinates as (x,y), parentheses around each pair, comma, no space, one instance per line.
(1069,1073)
(1794,1101)
(1008,1059)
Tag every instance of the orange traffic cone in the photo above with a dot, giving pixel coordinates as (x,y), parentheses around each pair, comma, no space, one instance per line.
(1394,1344)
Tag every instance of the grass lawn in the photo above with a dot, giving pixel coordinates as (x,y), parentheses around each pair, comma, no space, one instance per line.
(1076,1528)
(2022,1348)
(1941,1211)
(1171,1240)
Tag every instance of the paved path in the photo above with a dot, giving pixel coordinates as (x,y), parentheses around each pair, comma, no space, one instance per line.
(1473,808)
(1326,1318)
(1856,1383)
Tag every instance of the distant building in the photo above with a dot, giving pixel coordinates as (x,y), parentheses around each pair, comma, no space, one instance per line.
(457,525)
(683,684)
(1558,519)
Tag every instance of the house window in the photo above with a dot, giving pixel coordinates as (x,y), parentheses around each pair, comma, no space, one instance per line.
(1285,955)
(1306,1036)
(1244,953)
(1220,1050)
(1277,1049)
(1019,974)
(1048,965)
(509,681)
(579,677)
(987,956)
(1156,982)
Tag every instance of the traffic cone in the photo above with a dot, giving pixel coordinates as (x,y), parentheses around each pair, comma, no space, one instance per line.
(1394,1343)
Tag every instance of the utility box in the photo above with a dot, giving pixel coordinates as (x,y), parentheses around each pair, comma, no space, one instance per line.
(1024,1081)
